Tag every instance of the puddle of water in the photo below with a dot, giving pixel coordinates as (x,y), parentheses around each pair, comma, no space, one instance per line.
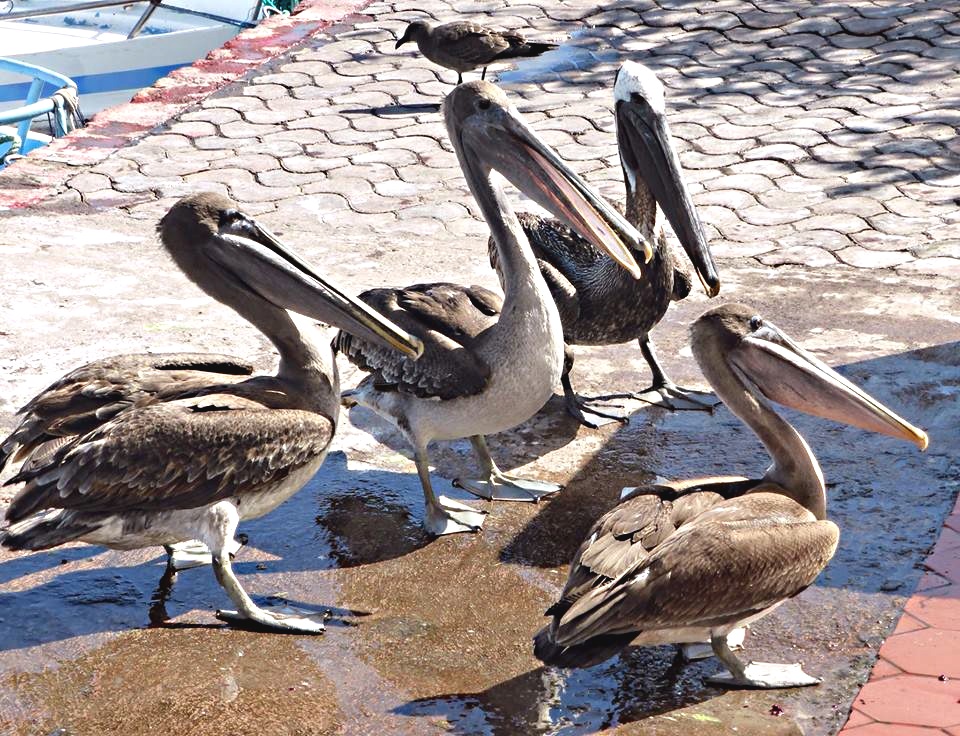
(434,636)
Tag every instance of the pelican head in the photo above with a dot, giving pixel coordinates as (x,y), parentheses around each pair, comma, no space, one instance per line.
(771,366)
(647,154)
(240,263)
(417,30)
(489,134)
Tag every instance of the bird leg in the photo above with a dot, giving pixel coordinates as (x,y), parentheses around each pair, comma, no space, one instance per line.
(459,77)
(158,602)
(577,405)
(483,74)
(499,486)
(756,674)
(703,650)
(444,515)
(224,518)
(192,553)
(664,392)
(249,612)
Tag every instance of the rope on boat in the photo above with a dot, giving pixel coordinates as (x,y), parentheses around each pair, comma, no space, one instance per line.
(67,115)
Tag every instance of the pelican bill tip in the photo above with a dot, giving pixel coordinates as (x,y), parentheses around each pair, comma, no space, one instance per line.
(922,439)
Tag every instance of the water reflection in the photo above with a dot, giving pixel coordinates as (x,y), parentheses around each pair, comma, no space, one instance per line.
(637,684)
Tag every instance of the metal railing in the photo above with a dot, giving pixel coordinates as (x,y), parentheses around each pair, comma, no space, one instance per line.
(60,105)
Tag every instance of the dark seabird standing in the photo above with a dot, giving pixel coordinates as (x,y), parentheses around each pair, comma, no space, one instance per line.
(598,303)
(464,46)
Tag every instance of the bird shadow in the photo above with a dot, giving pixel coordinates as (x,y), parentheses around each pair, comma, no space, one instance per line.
(361,515)
(398,108)
(637,684)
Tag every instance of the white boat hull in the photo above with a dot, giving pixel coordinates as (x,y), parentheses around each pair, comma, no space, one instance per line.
(107,67)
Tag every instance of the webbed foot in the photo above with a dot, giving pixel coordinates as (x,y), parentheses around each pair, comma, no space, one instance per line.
(451,517)
(766,675)
(505,487)
(581,409)
(670,396)
(284,619)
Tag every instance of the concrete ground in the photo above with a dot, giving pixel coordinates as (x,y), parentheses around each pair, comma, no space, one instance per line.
(820,142)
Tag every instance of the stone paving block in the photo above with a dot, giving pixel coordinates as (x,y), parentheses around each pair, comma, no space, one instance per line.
(860,257)
(760,215)
(764,167)
(829,240)
(798,255)
(895,700)
(218,143)
(751,183)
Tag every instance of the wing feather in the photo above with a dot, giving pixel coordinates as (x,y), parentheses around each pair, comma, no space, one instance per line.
(449,319)
(179,454)
(97,392)
(725,563)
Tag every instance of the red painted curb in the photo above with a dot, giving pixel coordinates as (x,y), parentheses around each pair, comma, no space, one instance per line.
(28,181)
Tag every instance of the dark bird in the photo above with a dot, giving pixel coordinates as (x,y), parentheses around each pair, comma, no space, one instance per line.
(601,305)
(694,560)
(488,364)
(143,450)
(464,46)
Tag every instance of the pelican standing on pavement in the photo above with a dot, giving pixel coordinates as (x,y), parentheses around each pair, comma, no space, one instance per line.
(694,560)
(464,46)
(600,304)
(146,450)
(486,366)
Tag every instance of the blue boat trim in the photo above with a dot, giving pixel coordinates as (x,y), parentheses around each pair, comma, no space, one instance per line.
(97,83)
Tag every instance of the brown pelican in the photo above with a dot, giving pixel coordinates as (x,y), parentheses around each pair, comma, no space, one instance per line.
(598,303)
(486,367)
(464,46)
(694,560)
(155,450)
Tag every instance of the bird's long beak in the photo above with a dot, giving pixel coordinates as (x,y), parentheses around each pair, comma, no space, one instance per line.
(506,143)
(789,375)
(264,264)
(647,153)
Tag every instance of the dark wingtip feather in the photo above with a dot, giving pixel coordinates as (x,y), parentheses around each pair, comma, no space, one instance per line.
(594,651)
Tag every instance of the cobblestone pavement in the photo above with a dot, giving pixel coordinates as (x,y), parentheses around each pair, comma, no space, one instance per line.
(820,141)
(811,133)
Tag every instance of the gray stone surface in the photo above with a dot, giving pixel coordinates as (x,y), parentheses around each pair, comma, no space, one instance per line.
(820,141)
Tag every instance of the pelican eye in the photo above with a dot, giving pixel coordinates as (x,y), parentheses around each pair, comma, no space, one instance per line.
(755,323)
(483,103)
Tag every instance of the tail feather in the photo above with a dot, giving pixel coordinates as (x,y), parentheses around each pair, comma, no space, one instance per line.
(594,651)
(530,48)
(45,530)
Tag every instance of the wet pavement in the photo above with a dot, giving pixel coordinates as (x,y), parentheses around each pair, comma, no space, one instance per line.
(430,637)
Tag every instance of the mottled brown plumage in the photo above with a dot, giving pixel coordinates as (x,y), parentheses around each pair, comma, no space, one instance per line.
(448,318)
(97,392)
(138,450)
(694,560)
(599,304)
(464,46)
